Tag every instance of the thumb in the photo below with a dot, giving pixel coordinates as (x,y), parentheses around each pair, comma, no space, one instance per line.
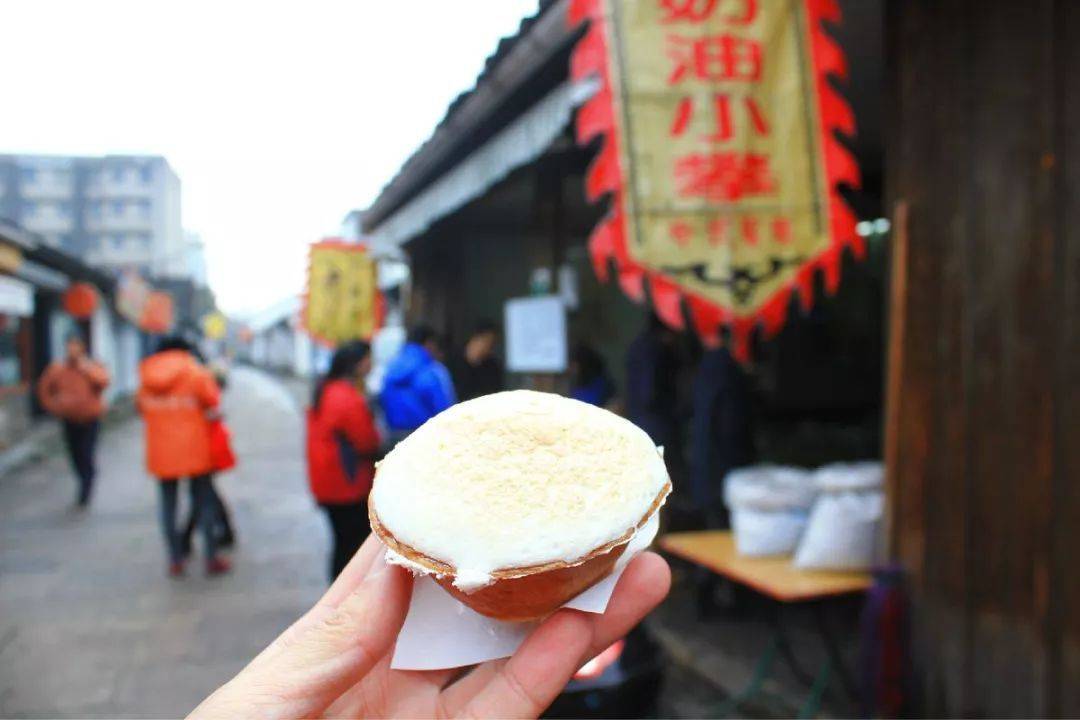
(334,648)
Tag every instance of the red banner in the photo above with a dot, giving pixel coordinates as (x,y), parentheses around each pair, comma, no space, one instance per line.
(720,154)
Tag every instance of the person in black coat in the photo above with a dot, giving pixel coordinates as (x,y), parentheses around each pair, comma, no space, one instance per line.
(478,371)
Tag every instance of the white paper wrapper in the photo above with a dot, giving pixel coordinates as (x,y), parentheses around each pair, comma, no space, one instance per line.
(440,632)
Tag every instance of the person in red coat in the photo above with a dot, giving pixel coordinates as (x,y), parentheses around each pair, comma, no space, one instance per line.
(341,444)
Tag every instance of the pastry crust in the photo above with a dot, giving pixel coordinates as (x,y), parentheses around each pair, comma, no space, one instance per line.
(529,592)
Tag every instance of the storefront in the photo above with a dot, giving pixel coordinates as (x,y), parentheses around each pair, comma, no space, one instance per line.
(493,207)
(34,326)
(968,289)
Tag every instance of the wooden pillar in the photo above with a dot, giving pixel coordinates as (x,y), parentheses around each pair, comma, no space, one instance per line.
(984,153)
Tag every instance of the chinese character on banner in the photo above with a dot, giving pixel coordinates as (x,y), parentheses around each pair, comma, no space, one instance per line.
(342,301)
(720,155)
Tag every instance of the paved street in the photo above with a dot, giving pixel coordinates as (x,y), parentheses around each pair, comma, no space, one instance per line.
(90,625)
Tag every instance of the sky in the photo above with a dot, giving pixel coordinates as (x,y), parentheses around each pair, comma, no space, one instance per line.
(278,117)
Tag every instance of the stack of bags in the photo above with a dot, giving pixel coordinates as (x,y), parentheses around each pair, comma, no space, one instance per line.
(830,518)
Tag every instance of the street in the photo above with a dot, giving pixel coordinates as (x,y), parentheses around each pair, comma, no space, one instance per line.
(91,626)
(89,623)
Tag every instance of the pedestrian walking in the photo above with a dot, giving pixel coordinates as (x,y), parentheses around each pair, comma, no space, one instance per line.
(478,371)
(223,525)
(71,390)
(417,386)
(341,444)
(178,398)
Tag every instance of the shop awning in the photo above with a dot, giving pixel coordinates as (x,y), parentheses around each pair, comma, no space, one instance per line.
(519,143)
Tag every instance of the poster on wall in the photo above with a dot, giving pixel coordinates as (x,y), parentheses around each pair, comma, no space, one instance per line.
(535,332)
(719,155)
(342,300)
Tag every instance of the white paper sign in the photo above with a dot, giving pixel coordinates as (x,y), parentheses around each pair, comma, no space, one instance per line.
(440,632)
(536,334)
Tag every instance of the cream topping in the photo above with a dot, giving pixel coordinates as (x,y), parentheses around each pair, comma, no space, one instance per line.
(517,479)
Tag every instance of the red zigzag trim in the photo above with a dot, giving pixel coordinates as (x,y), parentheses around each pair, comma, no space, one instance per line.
(608,241)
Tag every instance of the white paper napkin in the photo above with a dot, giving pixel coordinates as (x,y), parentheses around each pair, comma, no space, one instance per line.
(440,632)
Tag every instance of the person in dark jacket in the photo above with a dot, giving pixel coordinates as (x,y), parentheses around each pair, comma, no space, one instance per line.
(478,371)
(652,393)
(341,444)
(223,525)
(416,386)
(721,430)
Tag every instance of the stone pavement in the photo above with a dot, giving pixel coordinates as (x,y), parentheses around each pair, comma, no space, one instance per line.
(90,625)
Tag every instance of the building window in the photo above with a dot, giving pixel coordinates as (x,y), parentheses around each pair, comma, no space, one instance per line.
(28,175)
(29,209)
(63,209)
(117,242)
(117,207)
(95,209)
(118,174)
(144,208)
(147,174)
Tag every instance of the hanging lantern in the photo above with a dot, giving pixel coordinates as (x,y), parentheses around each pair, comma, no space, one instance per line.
(80,300)
(157,315)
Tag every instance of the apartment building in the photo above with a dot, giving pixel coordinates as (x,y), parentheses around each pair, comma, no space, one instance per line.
(115,212)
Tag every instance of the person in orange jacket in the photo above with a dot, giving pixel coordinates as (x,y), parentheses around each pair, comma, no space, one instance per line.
(341,445)
(177,397)
(71,389)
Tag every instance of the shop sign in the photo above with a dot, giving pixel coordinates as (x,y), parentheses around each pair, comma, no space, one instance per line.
(158,314)
(342,300)
(719,154)
(215,325)
(131,296)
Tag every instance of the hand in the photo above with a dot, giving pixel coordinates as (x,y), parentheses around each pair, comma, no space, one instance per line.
(335,660)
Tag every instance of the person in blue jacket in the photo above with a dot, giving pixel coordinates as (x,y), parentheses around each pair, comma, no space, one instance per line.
(416,386)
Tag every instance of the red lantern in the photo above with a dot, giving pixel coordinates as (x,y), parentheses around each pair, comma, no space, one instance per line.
(157,315)
(80,300)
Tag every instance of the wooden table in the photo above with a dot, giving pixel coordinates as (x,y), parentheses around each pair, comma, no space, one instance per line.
(777,579)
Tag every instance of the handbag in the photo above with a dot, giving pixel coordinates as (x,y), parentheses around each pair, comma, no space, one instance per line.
(222,456)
